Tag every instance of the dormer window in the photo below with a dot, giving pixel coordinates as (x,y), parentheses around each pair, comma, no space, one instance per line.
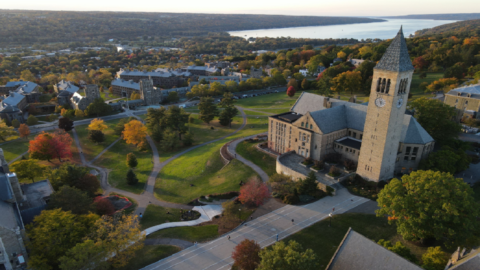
(459,94)
(302,124)
(469,95)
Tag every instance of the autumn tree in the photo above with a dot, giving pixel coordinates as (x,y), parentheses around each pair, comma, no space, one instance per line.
(442,84)
(427,204)
(48,146)
(291,256)
(245,255)
(208,110)
(132,161)
(53,233)
(104,206)
(135,132)
(24,131)
(73,176)
(97,124)
(119,235)
(28,169)
(434,259)
(27,75)
(436,118)
(291,91)
(347,81)
(254,192)
(6,131)
(293,83)
(65,123)
(79,113)
(71,199)
(420,63)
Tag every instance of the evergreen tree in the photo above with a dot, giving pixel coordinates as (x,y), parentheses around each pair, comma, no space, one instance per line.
(96,136)
(132,161)
(309,185)
(157,133)
(188,139)
(208,110)
(131,178)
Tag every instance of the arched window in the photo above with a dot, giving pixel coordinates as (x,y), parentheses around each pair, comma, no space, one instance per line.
(384,82)
(378,84)
(388,86)
(405,86)
(400,87)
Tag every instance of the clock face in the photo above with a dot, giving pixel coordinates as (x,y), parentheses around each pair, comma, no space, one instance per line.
(380,102)
(399,103)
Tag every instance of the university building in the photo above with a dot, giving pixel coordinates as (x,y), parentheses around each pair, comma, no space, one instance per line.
(379,136)
(466,100)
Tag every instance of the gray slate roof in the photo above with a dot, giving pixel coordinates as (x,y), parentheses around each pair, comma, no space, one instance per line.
(67,86)
(5,191)
(470,262)
(127,84)
(415,133)
(13,99)
(308,102)
(36,192)
(396,57)
(473,90)
(360,253)
(9,220)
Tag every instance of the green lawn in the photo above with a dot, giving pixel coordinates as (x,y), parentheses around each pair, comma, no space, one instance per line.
(272,101)
(324,240)
(45,118)
(204,169)
(114,160)
(247,112)
(13,149)
(155,215)
(192,234)
(90,149)
(203,133)
(264,161)
(416,81)
(254,126)
(148,255)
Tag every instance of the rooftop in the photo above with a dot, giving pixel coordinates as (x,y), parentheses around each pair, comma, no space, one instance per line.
(349,142)
(127,84)
(473,90)
(37,193)
(67,86)
(396,58)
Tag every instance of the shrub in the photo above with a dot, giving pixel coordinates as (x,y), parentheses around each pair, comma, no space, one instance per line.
(318,165)
(224,196)
(350,164)
(32,120)
(96,136)
(104,207)
(307,161)
(131,178)
(330,191)
(291,199)
(191,119)
(334,171)
(15,123)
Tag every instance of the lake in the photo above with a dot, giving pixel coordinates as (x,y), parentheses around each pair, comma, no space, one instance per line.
(381,30)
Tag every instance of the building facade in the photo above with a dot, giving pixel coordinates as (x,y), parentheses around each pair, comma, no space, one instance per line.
(80,102)
(379,137)
(160,77)
(466,101)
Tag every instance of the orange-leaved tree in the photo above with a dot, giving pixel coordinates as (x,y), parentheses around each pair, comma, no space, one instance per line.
(47,146)
(134,132)
(254,192)
(97,124)
(24,130)
(246,255)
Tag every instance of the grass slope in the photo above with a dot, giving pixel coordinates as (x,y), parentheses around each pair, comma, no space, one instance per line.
(155,215)
(192,234)
(204,169)
(13,149)
(264,161)
(90,149)
(416,81)
(148,255)
(114,160)
(272,101)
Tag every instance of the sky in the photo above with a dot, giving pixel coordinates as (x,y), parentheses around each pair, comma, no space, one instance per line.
(283,7)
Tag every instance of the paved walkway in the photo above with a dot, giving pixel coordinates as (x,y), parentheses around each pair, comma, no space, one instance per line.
(207,213)
(231,149)
(17,158)
(216,254)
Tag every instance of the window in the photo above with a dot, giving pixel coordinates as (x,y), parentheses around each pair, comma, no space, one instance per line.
(413,158)
(354,151)
(295,140)
(456,101)
(354,135)
(379,82)
(361,136)
(311,126)
(350,133)
(405,158)
(346,149)
(415,150)
(315,146)
(407,151)
(302,124)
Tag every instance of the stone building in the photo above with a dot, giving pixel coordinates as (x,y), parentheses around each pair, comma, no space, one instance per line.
(149,94)
(127,88)
(16,99)
(64,85)
(19,204)
(466,101)
(80,102)
(160,77)
(256,73)
(380,137)
(201,70)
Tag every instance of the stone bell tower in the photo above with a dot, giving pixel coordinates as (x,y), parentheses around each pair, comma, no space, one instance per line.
(386,109)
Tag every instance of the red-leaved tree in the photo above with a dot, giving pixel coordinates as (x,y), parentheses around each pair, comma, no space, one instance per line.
(420,63)
(246,255)
(104,206)
(291,91)
(47,146)
(254,193)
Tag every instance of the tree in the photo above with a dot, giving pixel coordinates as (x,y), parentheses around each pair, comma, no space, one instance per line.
(26,75)
(6,131)
(170,140)
(446,160)
(15,123)
(208,110)
(434,259)
(428,204)
(52,117)
(24,131)
(120,127)
(104,207)
(97,124)
(156,133)
(48,146)
(347,81)
(291,91)
(73,176)
(71,199)
(53,233)
(293,83)
(188,139)
(132,160)
(32,120)
(98,108)
(131,178)
(245,255)
(135,132)
(79,113)
(305,84)
(420,63)
(173,97)
(65,123)
(28,169)
(309,185)
(253,192)
(86,255)
(291,256)
(96,136)
(436,118)
(226,116)
(176,120)
(398,248)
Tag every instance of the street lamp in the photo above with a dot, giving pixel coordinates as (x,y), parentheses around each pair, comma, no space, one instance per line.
(239,211)
(330,215)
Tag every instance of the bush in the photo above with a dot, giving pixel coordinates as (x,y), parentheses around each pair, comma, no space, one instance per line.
(32,120)
(52,117)
(350,165)
(96,136)
(291,199)
(333,158)
(330,191)
(224,196)
(307,161)
(131,178)
(334,171)
(318,165)
(191,119)
(15,123)
(104,207)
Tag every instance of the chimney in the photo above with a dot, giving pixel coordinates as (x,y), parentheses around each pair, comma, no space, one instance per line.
(16,188)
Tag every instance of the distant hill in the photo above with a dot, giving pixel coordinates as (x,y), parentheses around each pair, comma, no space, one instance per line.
(19,26)
(462,27)
(453,16)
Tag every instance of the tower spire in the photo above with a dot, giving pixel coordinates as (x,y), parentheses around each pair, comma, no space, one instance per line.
(396,58)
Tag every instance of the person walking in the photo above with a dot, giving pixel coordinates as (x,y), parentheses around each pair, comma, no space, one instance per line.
(277,237)
(293,221)
(229,238)
(140,215)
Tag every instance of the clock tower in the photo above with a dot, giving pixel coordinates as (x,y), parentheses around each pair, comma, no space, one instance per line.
(386,109)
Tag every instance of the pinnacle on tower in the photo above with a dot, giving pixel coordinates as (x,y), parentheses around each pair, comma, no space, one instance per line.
(396,57)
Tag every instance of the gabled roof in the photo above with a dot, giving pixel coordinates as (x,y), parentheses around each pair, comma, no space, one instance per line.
(67,86)
(470,262)
(415,133)
(396,57)
(308,102)
(127,84)
(473,90)
(360,253)
(9,218)
(13,99)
